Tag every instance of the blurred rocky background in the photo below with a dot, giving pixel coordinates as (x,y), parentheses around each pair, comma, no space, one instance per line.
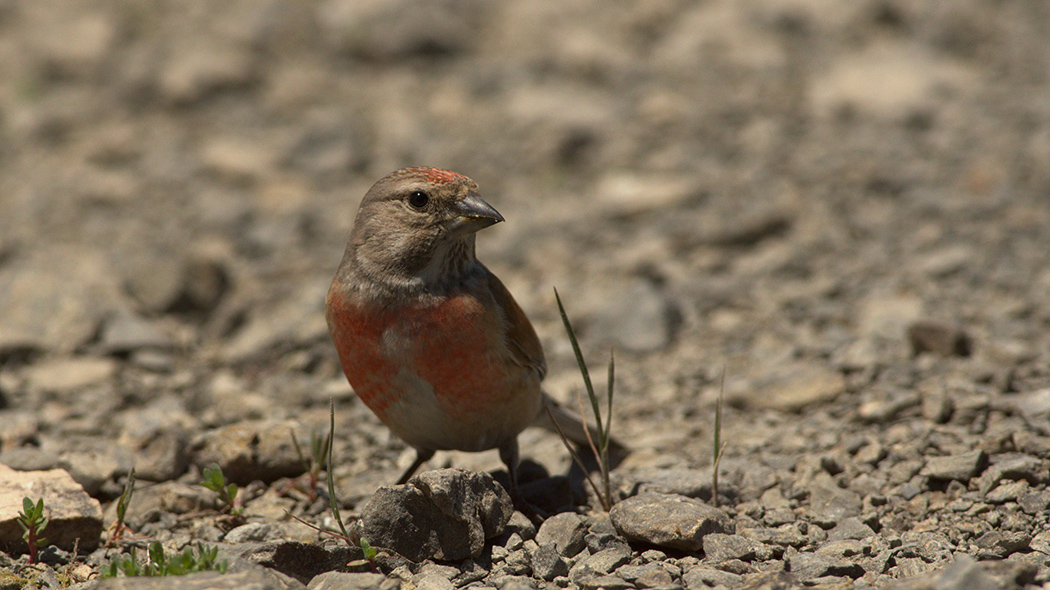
(842,207)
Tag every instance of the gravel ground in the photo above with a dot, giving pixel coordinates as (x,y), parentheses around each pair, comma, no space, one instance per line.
(836,213)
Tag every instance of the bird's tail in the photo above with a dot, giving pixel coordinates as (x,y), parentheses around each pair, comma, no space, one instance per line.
(574,427)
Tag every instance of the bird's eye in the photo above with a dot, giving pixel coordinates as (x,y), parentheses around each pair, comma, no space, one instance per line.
(418,199)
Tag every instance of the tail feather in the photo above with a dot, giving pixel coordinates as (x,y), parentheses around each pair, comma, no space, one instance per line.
(574,427)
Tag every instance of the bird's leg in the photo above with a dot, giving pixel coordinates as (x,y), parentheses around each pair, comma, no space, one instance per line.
(508,452)
(422,456)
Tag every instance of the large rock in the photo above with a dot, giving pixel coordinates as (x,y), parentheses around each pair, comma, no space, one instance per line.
(75,517)
(446,514)
(667,520)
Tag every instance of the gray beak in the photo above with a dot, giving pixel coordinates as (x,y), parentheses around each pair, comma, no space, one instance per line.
(475,214)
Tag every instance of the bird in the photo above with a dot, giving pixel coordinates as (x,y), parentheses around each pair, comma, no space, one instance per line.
(428,337)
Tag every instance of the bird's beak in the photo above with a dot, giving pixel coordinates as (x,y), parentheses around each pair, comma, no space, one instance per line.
(474,214)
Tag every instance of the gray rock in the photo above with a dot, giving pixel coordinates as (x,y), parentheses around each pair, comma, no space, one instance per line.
(516,563)
(787,535)
(289,321)
(433,582)
(75,517)
(842,548)
(55,298)
(1013,466)
(669,521)
(960,467)
(169,497)
(92,463)
(386,31)
(706,577)
(1031,503)
(965,573)
(253,578)
(607,582)
(254,532)
(446,514)
(301,561)
(938,338)
(599,564)
(829,504)
(693,483)
(638,317)
(719,547)
(126,332)
(999,544)
(871,453)
(1035,407)
(164,456)
(207,66)
(602,534)
(547,563)
(564,531)
(1007,492)
(521,525)
(850,528)
(67,375)
(809,566)
(260,450)
(650,575)
(352,581)
(791,388)
(30,459)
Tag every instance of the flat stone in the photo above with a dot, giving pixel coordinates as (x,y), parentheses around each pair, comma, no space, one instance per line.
(70,374)
(1007,492)
(960,467)
(809,566)
(670,521)
(828,504)
(938,338)
(607,582)
(564,531)
(352,581)
(599,564)
(126,332)
(999,544)
(301,561)
(547,563)
(720,547)
(256,578)
(706,577)
(792,388)
(850,528)
(650,575)
(55,298)
(260,450)
(75,517)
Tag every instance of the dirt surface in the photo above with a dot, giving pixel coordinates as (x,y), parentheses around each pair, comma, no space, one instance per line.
(842,207)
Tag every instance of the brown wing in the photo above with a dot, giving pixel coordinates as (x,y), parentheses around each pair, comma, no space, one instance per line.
(522,341)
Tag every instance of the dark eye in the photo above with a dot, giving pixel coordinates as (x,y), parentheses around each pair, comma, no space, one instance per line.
(418,199)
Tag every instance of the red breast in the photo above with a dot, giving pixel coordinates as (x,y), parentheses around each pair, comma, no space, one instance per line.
(434,369)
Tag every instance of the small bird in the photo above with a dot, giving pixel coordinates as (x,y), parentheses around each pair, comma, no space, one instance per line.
(430,339)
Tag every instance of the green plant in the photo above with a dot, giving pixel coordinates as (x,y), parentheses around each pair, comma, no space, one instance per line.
(215,481)
(370,553)
(719,446)
(157,564)
(314,462)
(118,528)
(33,523)
(601,448)
(350,537)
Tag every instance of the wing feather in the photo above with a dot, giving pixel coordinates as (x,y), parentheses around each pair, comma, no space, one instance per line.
(522,341)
